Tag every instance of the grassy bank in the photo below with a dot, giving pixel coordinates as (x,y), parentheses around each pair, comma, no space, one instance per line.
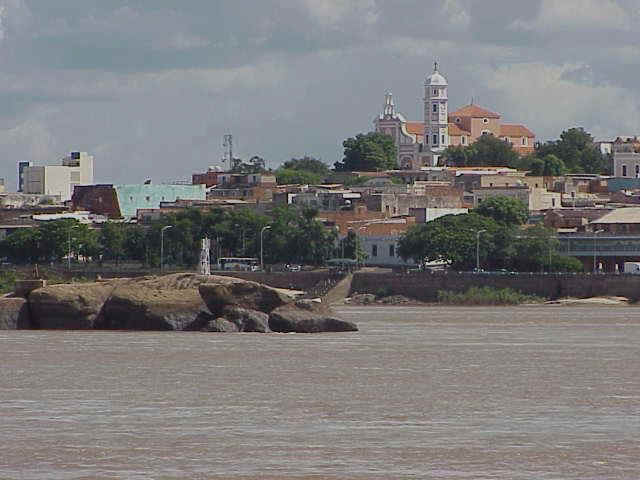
(8,277)
(486,296)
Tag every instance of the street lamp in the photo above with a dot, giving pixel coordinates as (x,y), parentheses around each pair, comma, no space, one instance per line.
(243,243)
(69,246)
(478,249)
(268,227)
(166,227)
(595,247)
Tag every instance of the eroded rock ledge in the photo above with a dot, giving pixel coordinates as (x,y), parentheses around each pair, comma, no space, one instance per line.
(179,302)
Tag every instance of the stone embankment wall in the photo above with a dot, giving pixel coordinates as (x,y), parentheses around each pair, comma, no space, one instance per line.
(425,286)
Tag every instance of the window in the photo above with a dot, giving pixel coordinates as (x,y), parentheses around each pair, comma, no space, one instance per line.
(457,120)
(524,140)
(485,120)
(435,139)
(444,140)
(491,184)
(624,170)
(486,132)
(553,201)
(536,185)
(148,199)
(435,91)
(374,250)
(637,171)
(392,250)
(434,108)
(463,140)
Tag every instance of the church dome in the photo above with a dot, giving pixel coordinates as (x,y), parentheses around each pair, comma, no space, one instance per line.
(435,78)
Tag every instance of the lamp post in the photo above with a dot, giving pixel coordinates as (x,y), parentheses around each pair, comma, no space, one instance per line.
(69,247)
(478,249)
(358,244)
(268,227)
(595,247)
(242,236)
(166,227)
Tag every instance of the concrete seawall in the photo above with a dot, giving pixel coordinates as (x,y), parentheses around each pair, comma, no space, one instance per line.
(424,286)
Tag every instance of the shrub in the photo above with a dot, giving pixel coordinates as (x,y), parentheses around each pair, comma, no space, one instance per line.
(487,296)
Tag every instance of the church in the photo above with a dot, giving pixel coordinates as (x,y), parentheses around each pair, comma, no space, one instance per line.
(421,144)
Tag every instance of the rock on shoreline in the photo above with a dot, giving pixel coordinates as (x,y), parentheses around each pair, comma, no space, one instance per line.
(178,302)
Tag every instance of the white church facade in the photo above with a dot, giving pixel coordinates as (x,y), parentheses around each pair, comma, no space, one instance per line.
(421,144)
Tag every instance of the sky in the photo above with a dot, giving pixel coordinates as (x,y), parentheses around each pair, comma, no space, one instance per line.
(149,87)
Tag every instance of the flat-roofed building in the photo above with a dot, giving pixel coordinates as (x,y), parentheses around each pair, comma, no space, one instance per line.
(75,169)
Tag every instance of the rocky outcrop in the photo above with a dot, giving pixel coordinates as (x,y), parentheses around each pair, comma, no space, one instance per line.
(14,314)
(175,302)
(69,306)
(219,325)
(242,293)
(146,307)
(246,320)
(307,317)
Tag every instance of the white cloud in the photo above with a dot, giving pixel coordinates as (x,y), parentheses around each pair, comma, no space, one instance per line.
(570,15)
(556,97)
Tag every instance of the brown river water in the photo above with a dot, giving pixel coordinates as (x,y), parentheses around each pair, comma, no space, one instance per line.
(541,392)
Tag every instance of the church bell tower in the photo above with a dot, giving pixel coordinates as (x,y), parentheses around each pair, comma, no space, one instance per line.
(436,114)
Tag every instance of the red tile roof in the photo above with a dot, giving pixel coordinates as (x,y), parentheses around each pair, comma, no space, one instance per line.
(474,111)
(457,131)
(512,130)
(415,128)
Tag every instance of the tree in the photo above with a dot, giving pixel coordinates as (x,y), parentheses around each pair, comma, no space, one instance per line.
(485,151)
(534,249)
(352,247)
(491,151)
(371,152)
(505,210)
(112,240)
(307,164)
(452,239)
(548,166)
(297,237)
(576,149)
(22,246)
(287,176)
(256,164)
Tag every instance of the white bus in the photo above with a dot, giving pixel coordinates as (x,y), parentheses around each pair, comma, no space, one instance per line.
(238,264)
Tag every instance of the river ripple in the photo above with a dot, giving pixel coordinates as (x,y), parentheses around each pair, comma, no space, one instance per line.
(450,393)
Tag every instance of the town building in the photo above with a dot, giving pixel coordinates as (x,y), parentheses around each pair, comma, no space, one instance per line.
(626,164)
(21,168)
(534,198)
(208,178)
(75,169)
(255,187)
(573,219)
(124,201)
(420,144)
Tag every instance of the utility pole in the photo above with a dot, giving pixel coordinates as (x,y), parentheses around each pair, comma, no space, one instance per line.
(267,227)
(478,250)
(166,227)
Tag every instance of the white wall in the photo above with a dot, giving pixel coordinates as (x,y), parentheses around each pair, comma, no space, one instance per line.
(383,244)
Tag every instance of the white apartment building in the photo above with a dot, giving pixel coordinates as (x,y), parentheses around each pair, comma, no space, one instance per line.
(76,169)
